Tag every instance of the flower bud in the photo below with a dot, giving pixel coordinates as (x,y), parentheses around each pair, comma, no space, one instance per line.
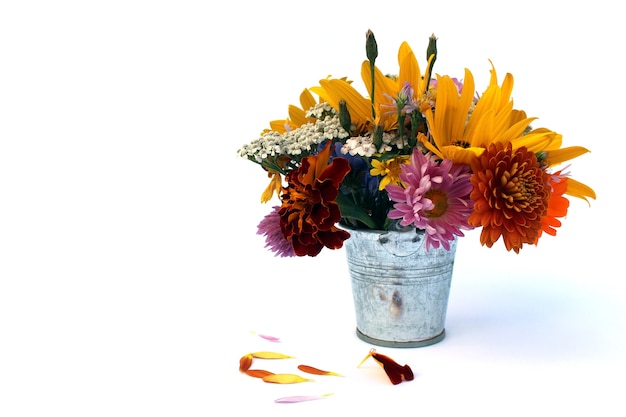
(344,116)
(431,50)
(432,46)
(371,48)
(378,137)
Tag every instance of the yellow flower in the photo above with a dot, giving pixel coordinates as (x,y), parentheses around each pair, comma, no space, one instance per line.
(386,90)
(389,170)
(461,129)
(335,90)
(274,186)
(297,115)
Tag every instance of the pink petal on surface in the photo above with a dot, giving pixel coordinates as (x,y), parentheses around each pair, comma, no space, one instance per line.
(300,398)
(266,337)
(270,338)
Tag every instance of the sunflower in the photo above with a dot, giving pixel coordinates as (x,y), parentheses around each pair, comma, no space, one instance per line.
(461,127)
(386,91)
(297,115)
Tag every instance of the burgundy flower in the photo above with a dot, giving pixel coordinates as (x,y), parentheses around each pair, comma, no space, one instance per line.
(309,213)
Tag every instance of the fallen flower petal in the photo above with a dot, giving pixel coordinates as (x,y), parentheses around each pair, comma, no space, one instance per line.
(300,398)
(396,372)
(270,355)
(266,337)
(285,379)
(270,338)
(258,373)
(245,362)
(315,371)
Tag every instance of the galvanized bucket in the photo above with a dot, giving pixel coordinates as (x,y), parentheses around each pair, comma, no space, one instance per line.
(400,290)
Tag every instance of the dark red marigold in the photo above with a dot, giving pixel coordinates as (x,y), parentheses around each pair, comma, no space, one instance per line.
(511,194)
(309,213)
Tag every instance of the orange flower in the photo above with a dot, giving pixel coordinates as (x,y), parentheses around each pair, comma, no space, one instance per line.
(511,195)
(557,206)
(309,213)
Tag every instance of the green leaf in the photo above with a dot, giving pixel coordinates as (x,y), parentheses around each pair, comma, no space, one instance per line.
(352,211)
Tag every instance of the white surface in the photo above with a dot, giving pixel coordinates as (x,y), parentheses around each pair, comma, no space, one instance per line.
(130,274)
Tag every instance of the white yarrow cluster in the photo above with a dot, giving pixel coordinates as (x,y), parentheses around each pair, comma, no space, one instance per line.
(359,145)
(300,140)
(319,110)
(364,145)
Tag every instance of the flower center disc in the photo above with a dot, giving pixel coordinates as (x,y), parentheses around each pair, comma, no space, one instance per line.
(440,201)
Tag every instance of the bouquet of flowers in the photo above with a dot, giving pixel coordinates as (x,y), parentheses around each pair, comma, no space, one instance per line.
(419,150)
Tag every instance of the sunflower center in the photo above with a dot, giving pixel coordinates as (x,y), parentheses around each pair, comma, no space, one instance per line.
(440,201)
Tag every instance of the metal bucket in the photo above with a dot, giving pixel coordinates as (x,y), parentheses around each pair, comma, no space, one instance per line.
(400,290)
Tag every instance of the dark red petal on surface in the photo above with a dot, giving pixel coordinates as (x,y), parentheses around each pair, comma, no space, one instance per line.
(396,372)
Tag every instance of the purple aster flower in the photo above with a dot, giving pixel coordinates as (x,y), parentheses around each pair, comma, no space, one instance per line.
(404,102)
(457,82)
(275,241)
(435,198)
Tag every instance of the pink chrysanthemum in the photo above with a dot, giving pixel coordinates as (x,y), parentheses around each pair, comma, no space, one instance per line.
(275,241)
(435,197)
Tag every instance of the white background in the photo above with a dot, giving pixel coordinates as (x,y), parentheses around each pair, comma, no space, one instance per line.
(130,271)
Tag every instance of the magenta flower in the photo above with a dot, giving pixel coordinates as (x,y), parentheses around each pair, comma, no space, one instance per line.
(435,197)
(275,241)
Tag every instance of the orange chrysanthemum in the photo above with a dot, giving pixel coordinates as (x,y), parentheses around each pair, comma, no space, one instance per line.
(308,213)
(511,194)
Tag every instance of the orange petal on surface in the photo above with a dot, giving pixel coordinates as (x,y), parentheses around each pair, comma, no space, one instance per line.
(258,373)
(245,362)
(285,379)
(315,371)
(270,355)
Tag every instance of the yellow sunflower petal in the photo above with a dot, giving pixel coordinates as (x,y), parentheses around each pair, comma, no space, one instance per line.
(461,155)
(558,156)
(285,379)
(273,187)
(334,90)
(270,355)
(307,100)
(579,190)
(538,140)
